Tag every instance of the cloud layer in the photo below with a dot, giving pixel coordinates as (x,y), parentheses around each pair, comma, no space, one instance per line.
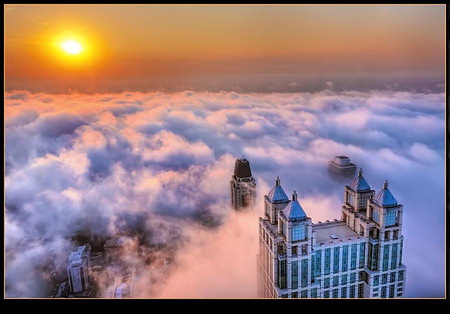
(156,166)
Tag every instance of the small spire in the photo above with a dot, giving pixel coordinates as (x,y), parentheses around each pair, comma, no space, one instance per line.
(277,181)
(360,172)
(294,196)
(385,185)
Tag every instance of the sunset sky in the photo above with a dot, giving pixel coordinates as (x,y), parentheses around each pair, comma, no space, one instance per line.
(176,47)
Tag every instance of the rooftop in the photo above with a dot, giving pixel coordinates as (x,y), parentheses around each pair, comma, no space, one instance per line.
(242,168)
(333,231)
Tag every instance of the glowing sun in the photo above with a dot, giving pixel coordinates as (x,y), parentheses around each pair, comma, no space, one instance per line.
(72,47)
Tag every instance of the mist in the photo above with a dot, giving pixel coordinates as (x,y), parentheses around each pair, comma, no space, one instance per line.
(156,167)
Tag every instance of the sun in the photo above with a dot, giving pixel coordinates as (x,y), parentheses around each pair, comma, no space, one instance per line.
(72,47)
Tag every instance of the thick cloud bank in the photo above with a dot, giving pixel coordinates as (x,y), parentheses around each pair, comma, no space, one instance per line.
(156,167)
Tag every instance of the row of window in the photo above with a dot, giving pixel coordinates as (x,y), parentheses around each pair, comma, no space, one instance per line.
(340,261)
(392,278)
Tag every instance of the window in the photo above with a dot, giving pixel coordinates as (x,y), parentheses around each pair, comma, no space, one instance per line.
(384,279)
(314,293)
(284,295)
(294,250)
(362,202)
(344,292)
(401,251)
(294,295)
(304,249)
(326,282)
(385,257)
(354,248)
(281,227)
(335,281)
(394,256)
(294,275)
(376,280)
(392,277)
(400,275)
(327,261)
(362,255)
(326,294)
(399,294)
(318,263)
(391,291)
(352,291)
(335,293)
(282,274)
(344,279)
(352,277)
(376,215)
(391,218)
(383,292)
(336,260)
(400,284)
(298,232)
(361,290)
(345,258)
(350,199)
(304,273)
(304,294)
(386,235)
(373,256)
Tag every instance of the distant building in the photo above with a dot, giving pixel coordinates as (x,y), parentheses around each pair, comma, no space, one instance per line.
(78,269)
(243,185)
(342,165)
(123,286)
(358,256)
(114,247)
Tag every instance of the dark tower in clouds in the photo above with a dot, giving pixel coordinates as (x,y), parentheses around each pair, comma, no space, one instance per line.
(242,185)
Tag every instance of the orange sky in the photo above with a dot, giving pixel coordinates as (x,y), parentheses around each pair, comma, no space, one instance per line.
(125,45)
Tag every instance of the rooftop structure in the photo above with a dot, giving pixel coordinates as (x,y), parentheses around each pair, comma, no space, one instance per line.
(341,165)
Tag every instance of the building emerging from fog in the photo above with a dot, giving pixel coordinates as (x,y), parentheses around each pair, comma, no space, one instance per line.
(78,269)
(243,185)
(358,256)
(341,165)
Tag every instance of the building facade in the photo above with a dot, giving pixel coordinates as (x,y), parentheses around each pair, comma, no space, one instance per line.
(356,256)
(242,186)
(78,269)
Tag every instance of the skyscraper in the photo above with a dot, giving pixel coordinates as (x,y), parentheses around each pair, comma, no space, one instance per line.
(78,269)
(242,185)
(358,256)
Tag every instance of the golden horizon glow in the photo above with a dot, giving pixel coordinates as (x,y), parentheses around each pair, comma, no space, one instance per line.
(72,47)
(133,43)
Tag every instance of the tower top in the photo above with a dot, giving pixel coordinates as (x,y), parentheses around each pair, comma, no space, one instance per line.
(277,194)
(242,168)
(384,197)
(359,184)
(294,211)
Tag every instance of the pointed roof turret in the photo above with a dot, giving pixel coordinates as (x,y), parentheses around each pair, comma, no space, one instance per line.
(294,211)
(384,197)
(277,194)
(359,184)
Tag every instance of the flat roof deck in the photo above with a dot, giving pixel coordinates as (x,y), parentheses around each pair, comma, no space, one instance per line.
(339,229)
